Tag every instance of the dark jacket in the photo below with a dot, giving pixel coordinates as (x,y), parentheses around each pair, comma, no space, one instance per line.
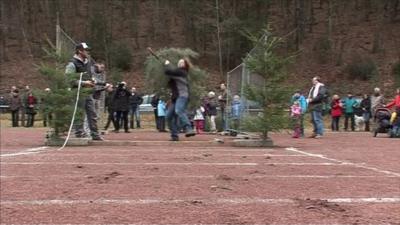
(366,105)
(211,106)
(15,103)
(154,101)
(178,82)
(316,104)
(135,99)
(121,99)
(222,102)
(109,101)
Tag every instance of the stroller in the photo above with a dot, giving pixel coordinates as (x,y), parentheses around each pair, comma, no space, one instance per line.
(382,120)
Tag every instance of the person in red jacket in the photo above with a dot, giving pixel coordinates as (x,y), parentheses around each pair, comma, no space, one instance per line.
(336,112)
(396,101)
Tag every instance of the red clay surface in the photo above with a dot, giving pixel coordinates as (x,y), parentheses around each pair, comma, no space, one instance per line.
(344,178)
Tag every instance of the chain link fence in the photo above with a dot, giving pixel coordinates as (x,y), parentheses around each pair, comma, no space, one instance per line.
(237,80)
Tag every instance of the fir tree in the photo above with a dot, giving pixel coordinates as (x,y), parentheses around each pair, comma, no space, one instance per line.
(271,94)
(60,101)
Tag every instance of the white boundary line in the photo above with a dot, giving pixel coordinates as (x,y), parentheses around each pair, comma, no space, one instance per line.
(132,164)
(179,164)
(234,201)
(154,149)
(28,151)
(194,224)
(196,176)
(359,165)
(81,154)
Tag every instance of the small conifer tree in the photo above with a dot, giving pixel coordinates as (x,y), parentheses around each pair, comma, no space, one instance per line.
(60,101)
(272,94)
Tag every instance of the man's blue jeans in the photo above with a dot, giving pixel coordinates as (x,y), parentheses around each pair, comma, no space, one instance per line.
(318,122)
(176,116)
(135,115)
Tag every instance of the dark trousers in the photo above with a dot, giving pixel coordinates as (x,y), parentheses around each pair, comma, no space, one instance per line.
(47,117)
(110,119)
(335,123)
(156,118)
(161,123)
(348,116)
(122,116)
(15,117)
(30,119)
(22,111)
(135,115)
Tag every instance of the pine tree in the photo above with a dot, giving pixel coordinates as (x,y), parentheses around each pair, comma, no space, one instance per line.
(272,94)
(60,101)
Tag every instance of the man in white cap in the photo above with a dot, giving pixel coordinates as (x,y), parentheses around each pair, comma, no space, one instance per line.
(80,64)
(377,100)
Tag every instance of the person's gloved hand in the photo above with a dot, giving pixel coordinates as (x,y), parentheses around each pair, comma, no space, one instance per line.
(166,62)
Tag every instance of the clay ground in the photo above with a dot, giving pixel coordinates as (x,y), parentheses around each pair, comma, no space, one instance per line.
(344,178)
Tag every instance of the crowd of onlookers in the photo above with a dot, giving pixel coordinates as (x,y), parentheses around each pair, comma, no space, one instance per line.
(122,105)
(358,111)
(120,102)
(23,106)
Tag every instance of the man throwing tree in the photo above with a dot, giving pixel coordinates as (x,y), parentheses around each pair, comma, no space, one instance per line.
(179,85)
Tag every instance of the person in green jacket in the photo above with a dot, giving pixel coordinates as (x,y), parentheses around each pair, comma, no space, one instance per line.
(349,103)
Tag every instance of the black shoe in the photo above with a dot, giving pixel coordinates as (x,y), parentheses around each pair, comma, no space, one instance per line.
(127,131)
(97,138)
(190,133)
(174,139)
(115,131)
(82,135)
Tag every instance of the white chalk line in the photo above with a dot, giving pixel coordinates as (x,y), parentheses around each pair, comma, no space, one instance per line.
(28,151)
(177,164)
(233,201)
(194,224)
(193,176)
(164,149)
(359,165)
(210,155)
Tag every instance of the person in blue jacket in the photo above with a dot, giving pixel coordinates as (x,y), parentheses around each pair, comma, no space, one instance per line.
(349,103)
(299,97)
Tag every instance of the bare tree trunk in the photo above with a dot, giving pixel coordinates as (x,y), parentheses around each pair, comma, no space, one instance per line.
(396,4)
(329,28)
(299,18)
(3,29)
(23,31)
(219,39)
(311,18)
(368,9)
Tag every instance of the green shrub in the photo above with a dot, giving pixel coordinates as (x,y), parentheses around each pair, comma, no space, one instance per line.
(362,68)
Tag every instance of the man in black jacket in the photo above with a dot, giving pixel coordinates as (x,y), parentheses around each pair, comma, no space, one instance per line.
(121,106)
(179,85)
